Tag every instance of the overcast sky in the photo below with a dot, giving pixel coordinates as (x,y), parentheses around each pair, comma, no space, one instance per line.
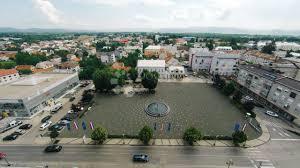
(118,14)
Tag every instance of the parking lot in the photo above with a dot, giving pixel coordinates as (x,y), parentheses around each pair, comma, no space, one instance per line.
(32,134)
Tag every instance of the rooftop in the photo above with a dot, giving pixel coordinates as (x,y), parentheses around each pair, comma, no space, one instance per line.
(151,63)
(32,85)
(4,72)
(261,71)
(153,47)
(289,82)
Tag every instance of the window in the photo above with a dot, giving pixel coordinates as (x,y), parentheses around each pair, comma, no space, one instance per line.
(293,95)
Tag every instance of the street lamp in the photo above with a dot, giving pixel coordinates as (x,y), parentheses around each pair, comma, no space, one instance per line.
(123,138)
(229,163)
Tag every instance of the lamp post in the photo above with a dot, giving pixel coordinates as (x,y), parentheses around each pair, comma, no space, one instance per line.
(229,163)
(123,135)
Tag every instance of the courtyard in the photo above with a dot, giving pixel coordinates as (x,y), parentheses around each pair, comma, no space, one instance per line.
(190,105)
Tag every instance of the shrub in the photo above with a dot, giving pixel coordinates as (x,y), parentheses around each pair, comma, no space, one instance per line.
(145,134)
(99,135)
(192,135)
(239,137)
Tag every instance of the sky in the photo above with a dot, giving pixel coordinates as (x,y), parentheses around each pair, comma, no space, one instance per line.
(150,14)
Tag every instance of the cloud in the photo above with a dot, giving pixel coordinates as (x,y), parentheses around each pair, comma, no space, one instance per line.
(49,10)
(129,2)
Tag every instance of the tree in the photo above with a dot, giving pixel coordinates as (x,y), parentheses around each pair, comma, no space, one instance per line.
(269,48)
(102,79)
(133,74)
(145,134)
(99,135)
(239,137)
(249,106)
(54,134)
(210,45)
(131,60)
(7,65)
(192,135)
(150,80)
(220,83)
(25,71)
(228,89)
(29,59)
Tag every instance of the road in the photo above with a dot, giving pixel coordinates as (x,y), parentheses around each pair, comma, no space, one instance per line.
(120,156)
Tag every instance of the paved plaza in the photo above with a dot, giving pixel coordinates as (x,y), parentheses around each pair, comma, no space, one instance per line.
(191,104)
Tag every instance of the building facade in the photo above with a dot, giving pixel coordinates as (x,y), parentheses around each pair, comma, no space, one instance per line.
(200,59)
(224,64)
(158,66)
(28,96)
(8,75)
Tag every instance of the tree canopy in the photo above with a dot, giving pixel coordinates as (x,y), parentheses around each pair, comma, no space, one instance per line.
(102,79)
(150,79)
(99,135)
(192,135)
(145,134)
(239,137)
(24,58)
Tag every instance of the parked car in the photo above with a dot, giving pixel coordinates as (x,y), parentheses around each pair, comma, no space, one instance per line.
(140,158)
(10,137)
(63,122)
(45,125)
(25,126)
(271,113)
(45,119)
(57,107)
(70,111)
(56,127)
(66,118)
(53,148)
(19,132)
(15,123)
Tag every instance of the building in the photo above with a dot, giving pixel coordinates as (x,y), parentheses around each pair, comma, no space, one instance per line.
(107,57)
(285,95)
(158,66)
(176,72)
(274,91)
(200,59)
(44,65)
(256,57)
(152,50)
(223,48)
(8,75)
(224,64)
(287,46)
(120,66)
(67,67)
(28,96)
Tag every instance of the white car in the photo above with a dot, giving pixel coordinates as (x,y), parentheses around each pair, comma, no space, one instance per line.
(45,125)
(70,111)
(271,113)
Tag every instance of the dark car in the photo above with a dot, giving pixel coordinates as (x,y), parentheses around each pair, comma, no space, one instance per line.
(72,98)
(140,158)
(56,127)
(25,126)
(66,118)
(45,119)
(53,148)
(10,137)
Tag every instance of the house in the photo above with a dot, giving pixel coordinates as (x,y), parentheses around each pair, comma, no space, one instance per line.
(67,67)
(224,64)
(8,75)
(158,66)
(176,72)
(9,54)
(257,57)
(120,66)
(223,48)
(107,57)
(152,50)
(44,65)
(200,59)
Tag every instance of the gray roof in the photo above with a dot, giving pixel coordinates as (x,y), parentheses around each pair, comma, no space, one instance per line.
(289,82)
(261,71)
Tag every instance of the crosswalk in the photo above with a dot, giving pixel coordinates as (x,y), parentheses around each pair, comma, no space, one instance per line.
(277,130)
(258,159)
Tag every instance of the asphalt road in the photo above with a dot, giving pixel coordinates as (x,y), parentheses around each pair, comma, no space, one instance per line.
(120,156)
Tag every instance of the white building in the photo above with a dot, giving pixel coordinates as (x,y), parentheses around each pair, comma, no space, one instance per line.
(223,48)
(44,65)
(286,46)
(158,66)
(224,64)
(8,75)
(200,59)
(176,72)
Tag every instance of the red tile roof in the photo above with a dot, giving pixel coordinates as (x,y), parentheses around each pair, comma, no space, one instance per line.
(4,72)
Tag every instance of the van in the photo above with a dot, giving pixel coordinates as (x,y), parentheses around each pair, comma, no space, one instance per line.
(14,123)
(45,125)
